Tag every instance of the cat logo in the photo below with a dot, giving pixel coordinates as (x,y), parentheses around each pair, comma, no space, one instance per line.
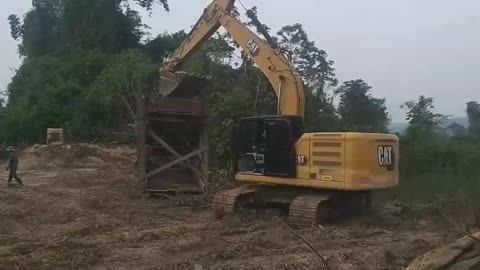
(385,156)
(301,160)
(253,47)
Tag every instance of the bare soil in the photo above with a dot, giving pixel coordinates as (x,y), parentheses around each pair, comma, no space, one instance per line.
(80,208)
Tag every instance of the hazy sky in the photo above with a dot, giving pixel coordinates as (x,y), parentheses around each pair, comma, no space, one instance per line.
(403,49)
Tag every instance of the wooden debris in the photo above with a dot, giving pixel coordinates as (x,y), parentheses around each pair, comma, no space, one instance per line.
(458,255)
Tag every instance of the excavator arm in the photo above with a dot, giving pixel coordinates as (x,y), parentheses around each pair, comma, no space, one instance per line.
(287,85)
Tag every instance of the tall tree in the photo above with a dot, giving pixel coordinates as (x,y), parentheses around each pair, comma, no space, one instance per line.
(473,112)
(311,62)
(110,25)
(107,24)
(317,73)
(120,85)
(65,45)
(39,28)
(420,115)
(359,110)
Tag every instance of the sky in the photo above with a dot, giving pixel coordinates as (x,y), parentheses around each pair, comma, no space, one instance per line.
(402,49)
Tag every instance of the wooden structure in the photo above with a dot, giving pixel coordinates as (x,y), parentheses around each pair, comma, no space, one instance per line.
(54,136)
(172,143)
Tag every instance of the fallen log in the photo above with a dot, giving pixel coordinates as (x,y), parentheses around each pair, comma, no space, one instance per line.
(458,255)
(471,264)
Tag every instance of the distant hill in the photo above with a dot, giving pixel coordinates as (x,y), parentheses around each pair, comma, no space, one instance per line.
(401,127)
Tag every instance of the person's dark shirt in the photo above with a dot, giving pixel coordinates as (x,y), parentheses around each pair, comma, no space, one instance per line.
(13,162)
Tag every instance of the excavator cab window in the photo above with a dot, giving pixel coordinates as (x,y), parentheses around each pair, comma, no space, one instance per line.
(266,146)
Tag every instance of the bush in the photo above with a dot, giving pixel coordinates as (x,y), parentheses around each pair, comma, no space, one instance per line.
(438,165)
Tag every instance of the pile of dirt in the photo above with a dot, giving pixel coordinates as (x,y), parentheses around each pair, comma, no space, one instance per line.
(76,156)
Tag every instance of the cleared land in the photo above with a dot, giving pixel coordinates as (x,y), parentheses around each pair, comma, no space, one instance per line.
(81,209)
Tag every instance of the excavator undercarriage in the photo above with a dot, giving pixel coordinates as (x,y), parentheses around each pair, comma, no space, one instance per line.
(305,207)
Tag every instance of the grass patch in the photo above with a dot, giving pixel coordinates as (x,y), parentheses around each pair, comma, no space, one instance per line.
(432,186)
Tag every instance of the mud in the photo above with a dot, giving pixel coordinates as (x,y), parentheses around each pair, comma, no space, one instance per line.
(87,214)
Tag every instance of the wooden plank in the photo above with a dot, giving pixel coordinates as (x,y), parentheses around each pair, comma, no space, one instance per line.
(173,163)
(171,150)
(172,119)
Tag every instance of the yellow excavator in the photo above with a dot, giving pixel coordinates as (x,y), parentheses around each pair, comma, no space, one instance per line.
(313,175)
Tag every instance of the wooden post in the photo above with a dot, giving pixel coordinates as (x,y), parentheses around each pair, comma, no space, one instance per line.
(141,132)
(204,156)
(204,141)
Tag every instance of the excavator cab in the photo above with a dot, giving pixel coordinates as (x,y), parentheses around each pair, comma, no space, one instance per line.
(266,145)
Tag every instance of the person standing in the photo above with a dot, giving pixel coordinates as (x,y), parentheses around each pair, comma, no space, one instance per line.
(12,167)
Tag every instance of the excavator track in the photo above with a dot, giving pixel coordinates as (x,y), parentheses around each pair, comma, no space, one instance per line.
(228,202)
(305,209)
(309,209)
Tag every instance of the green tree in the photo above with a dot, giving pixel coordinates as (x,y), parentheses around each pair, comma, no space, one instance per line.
(122,82)
(164,44)
(65,45)
(39,28)
(311,62)
(16,26)
(473,112)
(148,4)
(420,115)
(104,25)
(50,91)
(317,73)
(57,25)
(359,110)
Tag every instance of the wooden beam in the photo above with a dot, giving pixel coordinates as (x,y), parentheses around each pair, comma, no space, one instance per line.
(178,120)
(204,156)
(171,150)
(124,134)
(204,139)
(173,163)
(140,130)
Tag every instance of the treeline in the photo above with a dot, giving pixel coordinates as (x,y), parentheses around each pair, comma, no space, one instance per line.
(84,61)
(437,160)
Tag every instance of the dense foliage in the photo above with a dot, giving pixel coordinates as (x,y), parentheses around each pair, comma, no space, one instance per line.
(434,162)
(359,110)
(84,63)
(473,112)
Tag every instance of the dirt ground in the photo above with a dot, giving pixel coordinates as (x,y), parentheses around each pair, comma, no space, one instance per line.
(80,209)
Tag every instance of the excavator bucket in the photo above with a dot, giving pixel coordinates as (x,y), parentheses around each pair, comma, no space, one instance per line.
(182,84)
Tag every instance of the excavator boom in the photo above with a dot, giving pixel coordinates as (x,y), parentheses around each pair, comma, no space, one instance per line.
(286,83)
